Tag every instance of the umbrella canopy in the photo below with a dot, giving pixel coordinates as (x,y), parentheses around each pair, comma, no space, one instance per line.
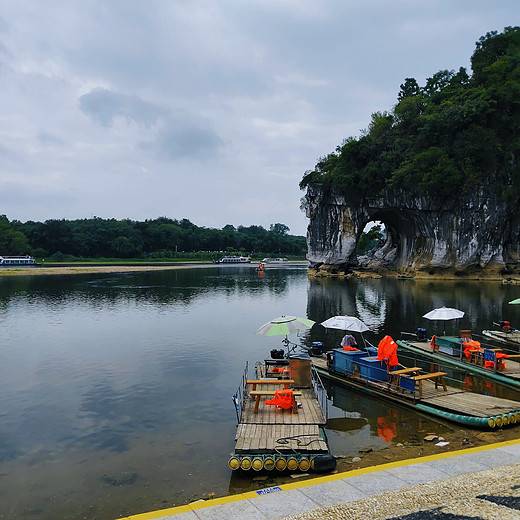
(444,313)
(285,325)
(517,301)
(345,323)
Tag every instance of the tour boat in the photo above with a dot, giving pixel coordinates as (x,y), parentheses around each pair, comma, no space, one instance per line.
(17,261)
(275,260)
(234,260)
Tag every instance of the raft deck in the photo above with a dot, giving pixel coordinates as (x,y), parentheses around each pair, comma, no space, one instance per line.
(508,338)
(434,397)
(273,430)
(510,372)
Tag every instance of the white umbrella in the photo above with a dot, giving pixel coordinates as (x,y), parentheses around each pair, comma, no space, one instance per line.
(350,323)
(444,313)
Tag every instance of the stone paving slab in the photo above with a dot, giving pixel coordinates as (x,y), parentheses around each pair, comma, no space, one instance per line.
(477,483)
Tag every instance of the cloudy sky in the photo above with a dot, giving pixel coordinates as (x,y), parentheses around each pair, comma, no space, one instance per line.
(206,110)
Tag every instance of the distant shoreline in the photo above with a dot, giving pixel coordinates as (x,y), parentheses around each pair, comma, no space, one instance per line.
(86,269)
(38,271)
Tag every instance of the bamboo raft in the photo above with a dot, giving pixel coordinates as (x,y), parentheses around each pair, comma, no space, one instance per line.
(275,438)
(509,338)
(461,406)
(450,353)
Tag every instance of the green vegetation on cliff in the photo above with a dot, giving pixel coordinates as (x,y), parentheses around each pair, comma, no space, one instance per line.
(448,138)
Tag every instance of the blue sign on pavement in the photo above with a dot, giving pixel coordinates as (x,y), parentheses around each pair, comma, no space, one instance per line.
(268,490)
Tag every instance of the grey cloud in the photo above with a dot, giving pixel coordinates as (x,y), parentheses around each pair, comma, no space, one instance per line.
(178,138)
(177,132)
(104,105)
(49,139)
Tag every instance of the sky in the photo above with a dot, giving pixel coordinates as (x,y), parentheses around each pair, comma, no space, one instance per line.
(205,110)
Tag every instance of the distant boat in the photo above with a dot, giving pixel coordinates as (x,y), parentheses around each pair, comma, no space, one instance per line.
(275,260)
(17,261)
(233,260)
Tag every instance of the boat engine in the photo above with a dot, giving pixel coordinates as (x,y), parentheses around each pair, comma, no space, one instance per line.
(317,348)
(421,334)
(277,353)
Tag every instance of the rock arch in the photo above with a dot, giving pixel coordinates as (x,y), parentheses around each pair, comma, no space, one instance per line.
(424,235)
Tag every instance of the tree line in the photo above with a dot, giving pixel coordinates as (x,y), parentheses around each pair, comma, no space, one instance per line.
(454,136)
(153,239)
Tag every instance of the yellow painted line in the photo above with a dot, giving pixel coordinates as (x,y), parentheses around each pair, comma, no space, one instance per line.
(318,480)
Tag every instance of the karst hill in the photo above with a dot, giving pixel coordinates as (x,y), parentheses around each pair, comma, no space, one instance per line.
(440,171)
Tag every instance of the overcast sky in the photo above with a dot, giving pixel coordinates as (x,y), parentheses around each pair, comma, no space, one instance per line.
(206,110)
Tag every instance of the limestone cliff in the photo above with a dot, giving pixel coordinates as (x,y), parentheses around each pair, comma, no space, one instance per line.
(477,233)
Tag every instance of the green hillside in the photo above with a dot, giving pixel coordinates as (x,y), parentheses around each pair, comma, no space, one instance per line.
(448,138)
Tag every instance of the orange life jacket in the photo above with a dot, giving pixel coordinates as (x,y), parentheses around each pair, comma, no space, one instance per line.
(282,398)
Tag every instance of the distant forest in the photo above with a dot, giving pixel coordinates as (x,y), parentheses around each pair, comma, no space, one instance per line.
(160,238)
(452,137)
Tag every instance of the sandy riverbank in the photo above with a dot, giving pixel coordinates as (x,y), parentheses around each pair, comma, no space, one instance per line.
(39,271)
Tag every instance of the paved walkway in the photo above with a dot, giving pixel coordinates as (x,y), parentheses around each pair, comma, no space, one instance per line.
(477,483)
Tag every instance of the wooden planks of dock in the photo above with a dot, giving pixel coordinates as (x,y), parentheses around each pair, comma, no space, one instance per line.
(268,438)
(478,405)
(274,429)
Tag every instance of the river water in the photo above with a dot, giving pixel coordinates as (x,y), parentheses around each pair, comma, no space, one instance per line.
(115,389)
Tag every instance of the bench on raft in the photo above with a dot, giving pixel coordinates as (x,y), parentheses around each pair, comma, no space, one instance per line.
(395,375)
(436,377)
(285,382)
(271,393)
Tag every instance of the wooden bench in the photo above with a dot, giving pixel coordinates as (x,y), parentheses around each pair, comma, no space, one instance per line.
(259,393)
(285,382)
(436,377)
(394,375)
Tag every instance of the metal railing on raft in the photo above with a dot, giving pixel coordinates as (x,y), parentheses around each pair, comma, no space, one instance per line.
(238,398)
(320,392)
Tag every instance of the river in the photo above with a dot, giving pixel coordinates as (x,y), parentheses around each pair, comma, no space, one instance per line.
(115,389)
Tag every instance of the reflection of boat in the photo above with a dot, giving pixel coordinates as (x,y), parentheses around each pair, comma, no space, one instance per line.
(275,260)
(17,261)
(485,362)
(424,392)
(233,260)
(288,436)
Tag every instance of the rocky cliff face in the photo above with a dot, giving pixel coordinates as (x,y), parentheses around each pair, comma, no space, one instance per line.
(423,235)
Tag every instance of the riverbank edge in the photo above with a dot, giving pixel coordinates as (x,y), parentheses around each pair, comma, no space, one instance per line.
(328,271)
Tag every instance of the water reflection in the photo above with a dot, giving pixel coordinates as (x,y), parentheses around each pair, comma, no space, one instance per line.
(393,306)
(374,422)
(128,378)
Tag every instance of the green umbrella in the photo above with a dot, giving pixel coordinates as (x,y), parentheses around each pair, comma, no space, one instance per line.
(284,325)
(515,301)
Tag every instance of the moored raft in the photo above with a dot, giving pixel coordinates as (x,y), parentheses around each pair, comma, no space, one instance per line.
(509,338)
(449,350)
(271,437)
(424,392)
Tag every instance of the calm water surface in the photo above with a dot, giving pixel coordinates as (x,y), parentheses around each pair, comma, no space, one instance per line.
(115,390)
